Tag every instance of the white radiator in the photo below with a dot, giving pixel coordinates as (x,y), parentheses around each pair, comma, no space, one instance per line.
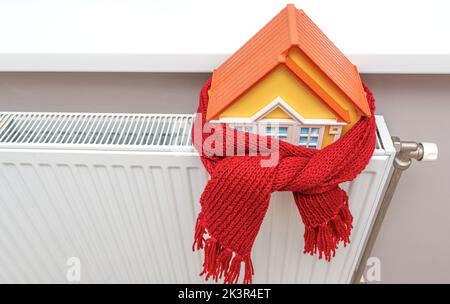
(120,192)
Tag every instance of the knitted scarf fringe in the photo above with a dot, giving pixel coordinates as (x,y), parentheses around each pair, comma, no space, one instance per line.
(325,238)
(219,261)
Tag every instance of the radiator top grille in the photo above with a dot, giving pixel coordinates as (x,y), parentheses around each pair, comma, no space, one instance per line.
(162,132)
(86,129)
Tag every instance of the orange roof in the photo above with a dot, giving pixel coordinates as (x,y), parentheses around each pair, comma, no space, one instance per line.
(267,49)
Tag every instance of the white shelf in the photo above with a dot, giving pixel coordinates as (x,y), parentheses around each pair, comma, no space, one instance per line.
(196,36)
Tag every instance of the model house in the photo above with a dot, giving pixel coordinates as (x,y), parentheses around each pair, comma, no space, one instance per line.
(289,81)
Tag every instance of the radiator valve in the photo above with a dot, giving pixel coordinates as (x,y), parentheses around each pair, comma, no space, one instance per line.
(408,150)
(430,151)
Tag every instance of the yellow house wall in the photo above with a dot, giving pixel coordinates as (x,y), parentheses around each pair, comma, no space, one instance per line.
(280,82)
(327,138)
(278,113)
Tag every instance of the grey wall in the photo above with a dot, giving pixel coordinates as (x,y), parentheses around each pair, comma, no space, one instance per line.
(100,92)
(414,243)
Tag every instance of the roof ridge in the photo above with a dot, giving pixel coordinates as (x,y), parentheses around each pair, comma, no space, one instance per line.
(292,23)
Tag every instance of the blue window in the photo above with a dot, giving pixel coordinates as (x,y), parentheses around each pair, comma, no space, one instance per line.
(244,128)
(280,133)
(282,130)
(309,137)
(314,140)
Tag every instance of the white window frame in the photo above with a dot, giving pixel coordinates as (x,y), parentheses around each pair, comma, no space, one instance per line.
(297,135)
(293,132)
(262,128)
(244,125)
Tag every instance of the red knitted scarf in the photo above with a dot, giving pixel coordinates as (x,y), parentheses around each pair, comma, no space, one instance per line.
(235,199)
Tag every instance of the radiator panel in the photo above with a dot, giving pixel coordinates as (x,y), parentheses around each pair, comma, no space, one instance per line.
(129,217)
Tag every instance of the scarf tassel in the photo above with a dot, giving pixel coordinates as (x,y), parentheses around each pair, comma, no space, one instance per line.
(220,262)
(200,231)
(325,238)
